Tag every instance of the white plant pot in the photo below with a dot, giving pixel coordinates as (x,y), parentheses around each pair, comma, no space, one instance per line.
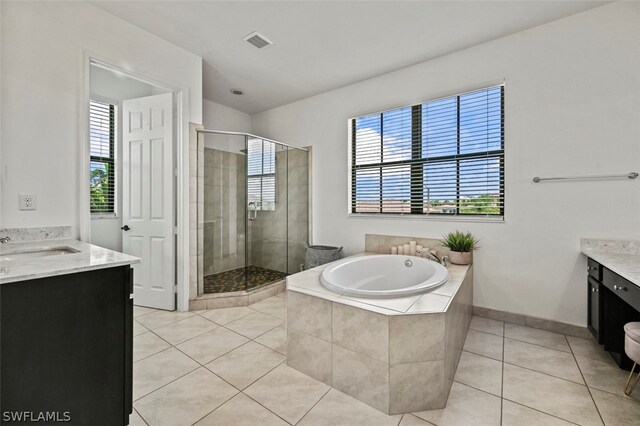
(461,257)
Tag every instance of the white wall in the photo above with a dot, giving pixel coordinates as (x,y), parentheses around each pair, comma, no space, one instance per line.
(43,76)
(219,117)
(106,85)
(572,105)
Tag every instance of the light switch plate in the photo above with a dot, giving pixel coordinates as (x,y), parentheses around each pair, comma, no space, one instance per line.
(27,201)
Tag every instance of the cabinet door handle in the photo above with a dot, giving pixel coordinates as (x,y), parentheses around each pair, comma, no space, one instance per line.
(619,287)
(593,290)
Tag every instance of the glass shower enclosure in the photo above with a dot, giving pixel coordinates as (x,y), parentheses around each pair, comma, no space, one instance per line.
(256,211)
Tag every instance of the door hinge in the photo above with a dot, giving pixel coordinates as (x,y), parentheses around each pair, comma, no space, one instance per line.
(175,289)
(175,230)
(175,172)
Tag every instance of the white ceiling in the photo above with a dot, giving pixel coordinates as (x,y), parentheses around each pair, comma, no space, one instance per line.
(323,45)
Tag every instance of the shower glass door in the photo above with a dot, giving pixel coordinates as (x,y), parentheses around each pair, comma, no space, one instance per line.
(255,219)
(266,254)
(224,224)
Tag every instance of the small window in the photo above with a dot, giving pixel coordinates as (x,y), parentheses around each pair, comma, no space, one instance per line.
(442,157)
(102,136)
(261,174)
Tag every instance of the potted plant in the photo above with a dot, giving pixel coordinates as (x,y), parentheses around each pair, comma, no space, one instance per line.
(461,245)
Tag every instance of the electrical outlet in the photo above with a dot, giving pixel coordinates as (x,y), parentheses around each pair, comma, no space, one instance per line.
(27,202)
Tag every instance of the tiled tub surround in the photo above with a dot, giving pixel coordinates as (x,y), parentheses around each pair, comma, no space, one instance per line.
(397,355)
(619,256)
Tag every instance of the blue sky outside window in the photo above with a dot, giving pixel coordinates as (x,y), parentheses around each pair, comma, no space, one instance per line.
(440,157)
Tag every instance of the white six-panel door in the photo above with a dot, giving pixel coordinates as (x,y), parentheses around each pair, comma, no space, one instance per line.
(147,198)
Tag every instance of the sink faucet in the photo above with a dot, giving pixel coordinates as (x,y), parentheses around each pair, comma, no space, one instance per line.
(5,240)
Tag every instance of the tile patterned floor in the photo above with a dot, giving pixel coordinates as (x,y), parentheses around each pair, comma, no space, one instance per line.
(227,367)
(240,279)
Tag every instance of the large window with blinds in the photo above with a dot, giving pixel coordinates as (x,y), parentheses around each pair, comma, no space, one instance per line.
(102,141)
(440,157)
(261,174)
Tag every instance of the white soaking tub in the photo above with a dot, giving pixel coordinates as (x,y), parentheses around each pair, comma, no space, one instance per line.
(383,276)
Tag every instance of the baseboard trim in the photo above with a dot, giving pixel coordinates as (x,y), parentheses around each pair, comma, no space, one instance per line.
(540,323)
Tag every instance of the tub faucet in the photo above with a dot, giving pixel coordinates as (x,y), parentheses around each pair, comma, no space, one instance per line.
(435,258)
(5,240)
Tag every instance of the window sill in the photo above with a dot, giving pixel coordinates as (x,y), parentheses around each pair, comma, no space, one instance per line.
(434,218)
(104,216)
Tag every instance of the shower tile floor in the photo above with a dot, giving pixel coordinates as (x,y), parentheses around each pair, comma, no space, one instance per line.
(240,279)
(228,367)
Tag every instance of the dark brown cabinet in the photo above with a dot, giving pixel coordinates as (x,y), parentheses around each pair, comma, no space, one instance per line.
(594,307)
(66,348)
(612,302)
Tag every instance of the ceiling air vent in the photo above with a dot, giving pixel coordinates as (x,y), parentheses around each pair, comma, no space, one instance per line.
(258,40)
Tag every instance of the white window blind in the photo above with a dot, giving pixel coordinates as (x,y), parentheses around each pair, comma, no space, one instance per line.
(441,157)
(261,174)
(102,134)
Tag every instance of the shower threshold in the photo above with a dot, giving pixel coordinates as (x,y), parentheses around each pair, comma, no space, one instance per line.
(240,279)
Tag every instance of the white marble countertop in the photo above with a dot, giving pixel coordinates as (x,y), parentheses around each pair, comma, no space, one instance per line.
(619,256)
(624,264)
(87,258)
(434,301)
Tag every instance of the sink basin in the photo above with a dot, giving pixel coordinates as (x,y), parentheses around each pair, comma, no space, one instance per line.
(54,251)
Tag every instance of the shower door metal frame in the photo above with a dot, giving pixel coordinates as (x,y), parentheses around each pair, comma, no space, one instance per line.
(248,136)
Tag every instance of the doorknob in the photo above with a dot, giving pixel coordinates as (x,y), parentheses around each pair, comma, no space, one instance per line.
(125,228)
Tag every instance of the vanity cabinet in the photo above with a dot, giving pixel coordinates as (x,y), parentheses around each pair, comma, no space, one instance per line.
(594,306)
(66,347)
(613,301)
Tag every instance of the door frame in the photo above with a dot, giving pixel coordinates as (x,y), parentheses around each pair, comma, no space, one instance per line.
(181,161)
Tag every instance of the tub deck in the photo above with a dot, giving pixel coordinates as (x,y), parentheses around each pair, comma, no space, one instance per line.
(398,355)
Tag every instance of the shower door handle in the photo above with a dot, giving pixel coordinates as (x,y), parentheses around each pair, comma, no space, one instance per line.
(253,211)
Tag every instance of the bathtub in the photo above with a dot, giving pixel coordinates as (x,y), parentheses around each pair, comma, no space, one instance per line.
(383,276)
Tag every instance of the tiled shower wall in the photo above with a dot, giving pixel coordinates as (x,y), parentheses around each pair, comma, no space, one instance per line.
(224,209)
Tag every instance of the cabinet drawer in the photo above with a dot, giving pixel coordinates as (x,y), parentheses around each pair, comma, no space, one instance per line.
(624,289)
(594,269)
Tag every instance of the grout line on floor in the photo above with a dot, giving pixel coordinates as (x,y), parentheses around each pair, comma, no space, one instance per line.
(547,374)
(525,368)
(262,344)
(168,383)
(540,411)
(139,415)
(400,420)
(265,407)
(249,385)
(475,353)
(536,344)
(585,381)
(472,387)
(626,398)
(313,406)
(487,332)
(227,400)
(171,323)
(200,365)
